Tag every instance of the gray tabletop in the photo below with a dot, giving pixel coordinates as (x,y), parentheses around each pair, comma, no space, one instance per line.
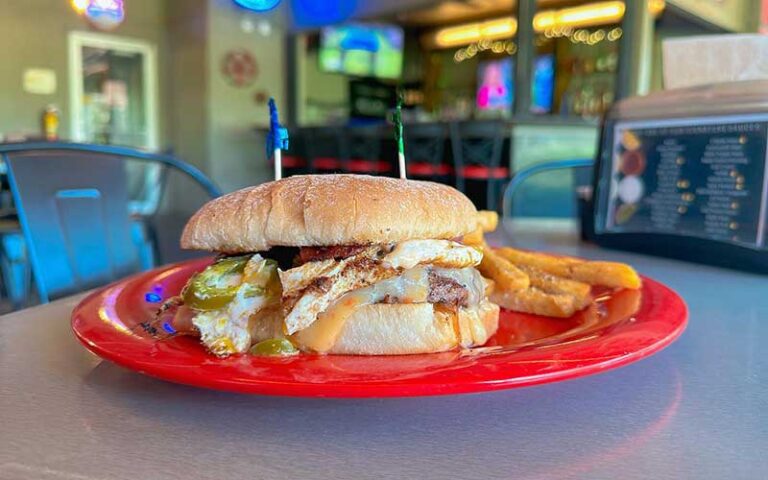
(698,409)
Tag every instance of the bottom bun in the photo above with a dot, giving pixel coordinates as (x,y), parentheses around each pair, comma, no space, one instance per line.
(397,329)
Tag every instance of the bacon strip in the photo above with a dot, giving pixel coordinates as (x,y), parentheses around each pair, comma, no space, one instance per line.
(338,252)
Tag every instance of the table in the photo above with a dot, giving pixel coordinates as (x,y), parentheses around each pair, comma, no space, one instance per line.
(698,409)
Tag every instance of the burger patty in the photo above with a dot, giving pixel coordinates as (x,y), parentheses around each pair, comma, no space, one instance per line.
(446,291)
(443,290)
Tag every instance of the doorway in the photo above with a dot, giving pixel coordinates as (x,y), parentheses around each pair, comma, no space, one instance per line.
(113,90)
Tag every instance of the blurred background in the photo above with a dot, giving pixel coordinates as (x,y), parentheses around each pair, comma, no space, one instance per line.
(490,88)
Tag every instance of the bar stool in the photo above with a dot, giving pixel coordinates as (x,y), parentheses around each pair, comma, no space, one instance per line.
(425,152)
(294,160)
(324,147)
(363,145)
(477,155)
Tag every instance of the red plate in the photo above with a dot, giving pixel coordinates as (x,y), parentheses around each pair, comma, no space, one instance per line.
(527,350)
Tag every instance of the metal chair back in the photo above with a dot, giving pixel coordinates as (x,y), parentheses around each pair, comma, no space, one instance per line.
(73,205)
(425,150)
(326,149)
(363,143)
(363,147)
(479,144)
(579,165)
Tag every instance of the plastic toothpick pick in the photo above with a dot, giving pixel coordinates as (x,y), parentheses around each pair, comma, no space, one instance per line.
(277,140)
(398,119)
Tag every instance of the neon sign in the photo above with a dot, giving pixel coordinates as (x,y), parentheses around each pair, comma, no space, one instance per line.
(102,14)
(257,5)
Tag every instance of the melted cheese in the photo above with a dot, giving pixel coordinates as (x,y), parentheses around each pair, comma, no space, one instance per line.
(410,287)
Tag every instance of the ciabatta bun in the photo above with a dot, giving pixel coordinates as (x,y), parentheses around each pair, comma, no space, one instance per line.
(324,210)
(396,329)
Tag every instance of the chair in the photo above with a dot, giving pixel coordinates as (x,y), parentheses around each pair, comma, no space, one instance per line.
(73,205)
(582,165)
(425,152)
(14,267)
(324,149)
(361,150)
(477,155)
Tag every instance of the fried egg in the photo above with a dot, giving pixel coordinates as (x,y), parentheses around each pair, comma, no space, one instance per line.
(228,330)
(350,274)
(440,253)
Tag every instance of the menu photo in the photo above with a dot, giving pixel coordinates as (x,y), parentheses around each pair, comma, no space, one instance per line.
(703,177)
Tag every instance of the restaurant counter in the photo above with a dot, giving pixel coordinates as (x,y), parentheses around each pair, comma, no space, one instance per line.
(694,410)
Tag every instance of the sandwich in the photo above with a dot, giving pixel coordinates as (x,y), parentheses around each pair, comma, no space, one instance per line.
(336,264)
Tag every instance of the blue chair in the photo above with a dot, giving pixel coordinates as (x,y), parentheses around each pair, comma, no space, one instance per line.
(75,212)
(521,176)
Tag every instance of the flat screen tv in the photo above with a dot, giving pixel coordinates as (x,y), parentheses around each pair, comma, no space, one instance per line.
(496,90)
(543,84)
(362,50)
(495,84)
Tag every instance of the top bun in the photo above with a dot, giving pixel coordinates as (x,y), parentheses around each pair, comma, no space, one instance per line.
(326,210)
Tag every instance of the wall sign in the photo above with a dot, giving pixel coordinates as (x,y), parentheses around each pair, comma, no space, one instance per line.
(370,99)
(239,67)
(39,81)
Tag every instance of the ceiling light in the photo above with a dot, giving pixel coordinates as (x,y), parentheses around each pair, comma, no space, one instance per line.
(592,14)
(589,15)
(473,32)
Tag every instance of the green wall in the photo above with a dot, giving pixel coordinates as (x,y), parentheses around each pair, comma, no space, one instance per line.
(321,95)
(34,35)
(236,150)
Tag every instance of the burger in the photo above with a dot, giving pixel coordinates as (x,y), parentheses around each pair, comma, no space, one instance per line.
(336,264)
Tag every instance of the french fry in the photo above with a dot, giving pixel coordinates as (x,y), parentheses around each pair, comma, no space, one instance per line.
(538,302)
(507,276)
(488,220)
(551,284)
(547,263)
(474,238)
(608,274)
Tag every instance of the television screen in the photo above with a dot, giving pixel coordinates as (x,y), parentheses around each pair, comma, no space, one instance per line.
(495,85)
(543,84)
(364,50)
(495,80)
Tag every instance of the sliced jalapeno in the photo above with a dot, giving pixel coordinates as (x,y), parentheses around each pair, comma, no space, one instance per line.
(215,287)
(274,347)
(262,280)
